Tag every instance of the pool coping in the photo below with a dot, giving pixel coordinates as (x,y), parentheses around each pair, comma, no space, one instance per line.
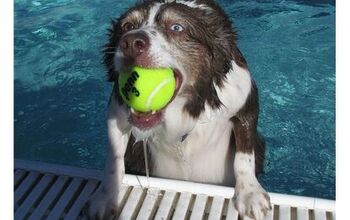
(170,184)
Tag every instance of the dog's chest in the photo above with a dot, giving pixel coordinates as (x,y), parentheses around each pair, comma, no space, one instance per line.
(203,156)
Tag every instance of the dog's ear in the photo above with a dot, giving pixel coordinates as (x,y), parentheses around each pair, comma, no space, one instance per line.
(114,34)
(217,34)
(221,42)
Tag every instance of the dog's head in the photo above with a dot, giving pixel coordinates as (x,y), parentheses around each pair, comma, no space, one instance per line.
(194,38)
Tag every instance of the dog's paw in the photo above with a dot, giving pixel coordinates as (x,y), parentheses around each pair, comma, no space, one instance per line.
(101,206)
(252,201)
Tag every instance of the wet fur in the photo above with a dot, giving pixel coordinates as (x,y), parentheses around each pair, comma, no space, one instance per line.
(215,48)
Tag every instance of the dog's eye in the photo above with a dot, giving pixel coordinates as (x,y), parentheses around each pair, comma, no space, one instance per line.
(128,27)
(177,27)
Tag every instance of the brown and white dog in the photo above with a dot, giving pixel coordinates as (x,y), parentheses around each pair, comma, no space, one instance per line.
(208,132)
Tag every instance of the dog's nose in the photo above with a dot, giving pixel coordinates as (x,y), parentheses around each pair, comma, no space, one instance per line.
(133,45)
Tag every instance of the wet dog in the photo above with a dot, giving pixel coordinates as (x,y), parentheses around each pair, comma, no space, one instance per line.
(208,132)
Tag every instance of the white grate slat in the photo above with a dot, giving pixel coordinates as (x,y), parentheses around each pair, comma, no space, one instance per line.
(34,195)
(25,185)
(58,210)
(302,214)
(132,204)
(232,213)
(81,200)
(166,205)
(122,195)
(216,208)
(148,206)
(181,208)
(284,212)
(320,215)
(49,198)
(199,207)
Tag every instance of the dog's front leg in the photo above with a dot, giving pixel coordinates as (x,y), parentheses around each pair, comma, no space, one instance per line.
(103,204)
(250,198)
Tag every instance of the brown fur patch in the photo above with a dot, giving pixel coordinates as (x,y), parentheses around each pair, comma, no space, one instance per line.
(245,130)
(205,49)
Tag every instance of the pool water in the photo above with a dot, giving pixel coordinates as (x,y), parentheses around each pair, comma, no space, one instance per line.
(61,91)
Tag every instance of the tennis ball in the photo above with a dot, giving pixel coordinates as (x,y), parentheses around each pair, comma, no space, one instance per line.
(146,89)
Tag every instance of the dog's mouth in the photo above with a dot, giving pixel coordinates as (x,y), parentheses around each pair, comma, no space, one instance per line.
(146,120)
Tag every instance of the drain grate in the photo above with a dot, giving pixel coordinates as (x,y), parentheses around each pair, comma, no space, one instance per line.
(47,191)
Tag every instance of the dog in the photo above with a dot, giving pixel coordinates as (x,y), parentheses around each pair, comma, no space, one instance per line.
(208,132)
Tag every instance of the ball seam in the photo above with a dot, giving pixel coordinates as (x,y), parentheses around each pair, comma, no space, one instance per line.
(155,91)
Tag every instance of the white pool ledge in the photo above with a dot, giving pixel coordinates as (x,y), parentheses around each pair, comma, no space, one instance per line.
(77,184)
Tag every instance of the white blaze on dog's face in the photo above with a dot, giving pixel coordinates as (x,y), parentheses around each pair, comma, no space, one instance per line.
(194,38)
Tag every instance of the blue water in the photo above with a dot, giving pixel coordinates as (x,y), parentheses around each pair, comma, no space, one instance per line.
(61,91)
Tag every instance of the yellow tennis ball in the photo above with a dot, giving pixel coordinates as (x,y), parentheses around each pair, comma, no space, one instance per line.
(147,89)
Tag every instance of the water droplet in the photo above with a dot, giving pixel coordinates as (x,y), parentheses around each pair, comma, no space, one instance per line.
(146,160)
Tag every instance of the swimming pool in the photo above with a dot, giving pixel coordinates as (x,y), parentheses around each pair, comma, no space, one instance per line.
(61,91)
